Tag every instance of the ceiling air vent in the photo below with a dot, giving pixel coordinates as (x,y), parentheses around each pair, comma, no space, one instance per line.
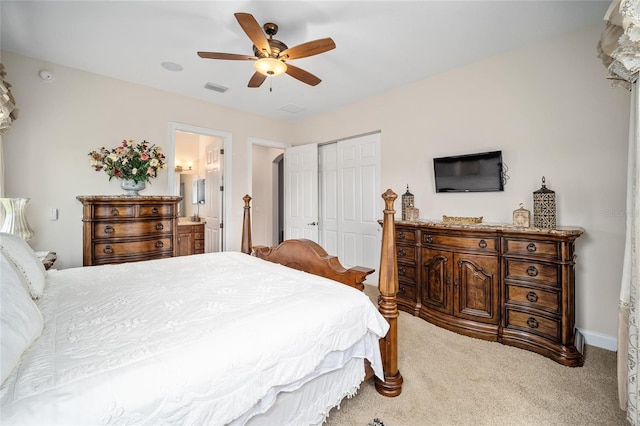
(216,87)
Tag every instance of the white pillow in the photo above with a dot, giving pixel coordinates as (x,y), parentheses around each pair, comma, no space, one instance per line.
(24,259)
(20,319)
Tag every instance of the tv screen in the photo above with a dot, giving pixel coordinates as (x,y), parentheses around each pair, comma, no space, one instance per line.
(480,172)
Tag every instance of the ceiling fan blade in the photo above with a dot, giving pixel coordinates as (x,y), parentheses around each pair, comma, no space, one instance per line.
(309,48)
(302,75)
(256,79)
(254,31)
(231,56)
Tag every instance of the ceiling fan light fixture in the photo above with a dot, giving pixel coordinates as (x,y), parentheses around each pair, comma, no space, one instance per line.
(270,67)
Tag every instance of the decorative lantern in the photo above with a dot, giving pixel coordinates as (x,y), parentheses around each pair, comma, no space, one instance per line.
(522,217)
(407,201)
(412,213)
(544,207)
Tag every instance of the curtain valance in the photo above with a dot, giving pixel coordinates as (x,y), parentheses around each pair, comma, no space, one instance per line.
(8,111)
(619,45)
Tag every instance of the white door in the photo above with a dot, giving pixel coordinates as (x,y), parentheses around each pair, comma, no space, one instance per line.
(330,205)
(301,192)
(361,204)
(213,198)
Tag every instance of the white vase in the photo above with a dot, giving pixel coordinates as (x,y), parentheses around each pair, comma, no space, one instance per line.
(132,187)
(15,220)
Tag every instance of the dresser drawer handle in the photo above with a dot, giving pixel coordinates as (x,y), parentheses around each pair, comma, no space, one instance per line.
(154,210)
(532,271)
(401,235)
(108,250)
(429,239)
(532,297)
(482,244)
(401,289)
(531,248)
(159,244)
(532,322)
(402,271)
(114,212)
(159,227)
(108,229)
(402,252)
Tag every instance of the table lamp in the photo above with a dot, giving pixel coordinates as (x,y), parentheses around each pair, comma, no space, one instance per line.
(15,219)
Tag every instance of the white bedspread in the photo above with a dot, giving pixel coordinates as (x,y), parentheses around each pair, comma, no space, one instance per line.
(190,340)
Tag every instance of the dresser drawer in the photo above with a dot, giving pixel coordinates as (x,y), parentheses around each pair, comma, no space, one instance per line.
(156,211)
(405,236)
(487,244)
(406,292)
(184,229)
(102,251)
(131,229)
(532,323)
(538,272)
(530,248)
(407,274)
(406,254)
(102,211)
(199,235)
(533,297)
(198,245)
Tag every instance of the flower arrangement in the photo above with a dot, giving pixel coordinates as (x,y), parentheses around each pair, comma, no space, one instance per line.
(138,162)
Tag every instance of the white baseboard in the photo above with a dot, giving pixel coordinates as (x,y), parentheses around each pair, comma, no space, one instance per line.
(600,340)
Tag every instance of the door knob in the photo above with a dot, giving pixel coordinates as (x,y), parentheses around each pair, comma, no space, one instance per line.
(312,223)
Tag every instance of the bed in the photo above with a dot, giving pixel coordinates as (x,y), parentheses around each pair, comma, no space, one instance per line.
(216,339)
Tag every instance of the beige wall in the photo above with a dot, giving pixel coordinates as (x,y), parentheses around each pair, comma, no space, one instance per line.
(62,120)
(551,111)
(548,107)
(263,202)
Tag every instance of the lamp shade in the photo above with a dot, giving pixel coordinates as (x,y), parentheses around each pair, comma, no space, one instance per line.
(15,219)
(270,67)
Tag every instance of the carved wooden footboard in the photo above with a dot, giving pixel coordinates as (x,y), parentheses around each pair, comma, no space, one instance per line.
(306,255)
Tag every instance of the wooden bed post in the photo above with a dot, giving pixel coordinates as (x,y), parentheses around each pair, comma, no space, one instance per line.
(388,285)
(245,246)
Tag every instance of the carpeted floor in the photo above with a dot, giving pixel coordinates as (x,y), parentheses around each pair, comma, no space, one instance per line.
(451,379)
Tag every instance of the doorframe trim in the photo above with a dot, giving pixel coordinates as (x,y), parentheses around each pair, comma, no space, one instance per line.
(226,173)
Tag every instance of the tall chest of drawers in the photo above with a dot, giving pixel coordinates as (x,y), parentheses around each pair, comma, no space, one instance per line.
(501,283)
(118,229)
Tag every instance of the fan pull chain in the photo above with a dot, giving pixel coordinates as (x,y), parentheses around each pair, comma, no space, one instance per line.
(270,85)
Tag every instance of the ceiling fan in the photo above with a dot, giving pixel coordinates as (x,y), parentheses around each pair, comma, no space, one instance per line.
(270,55)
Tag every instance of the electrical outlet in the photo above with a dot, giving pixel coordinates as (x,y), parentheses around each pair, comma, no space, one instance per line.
(53,213)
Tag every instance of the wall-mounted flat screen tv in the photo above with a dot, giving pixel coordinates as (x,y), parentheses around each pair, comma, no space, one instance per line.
(480,172)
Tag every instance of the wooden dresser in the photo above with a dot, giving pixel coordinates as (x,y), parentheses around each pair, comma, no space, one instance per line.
(190,238)
(501,283)
(118,229)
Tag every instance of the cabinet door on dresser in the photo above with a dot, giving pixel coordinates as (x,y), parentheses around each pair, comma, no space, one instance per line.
(476,289)
(185,242)
(437,275)
(461,284)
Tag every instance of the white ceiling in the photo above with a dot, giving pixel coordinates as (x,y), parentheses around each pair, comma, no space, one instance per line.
(381,45)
